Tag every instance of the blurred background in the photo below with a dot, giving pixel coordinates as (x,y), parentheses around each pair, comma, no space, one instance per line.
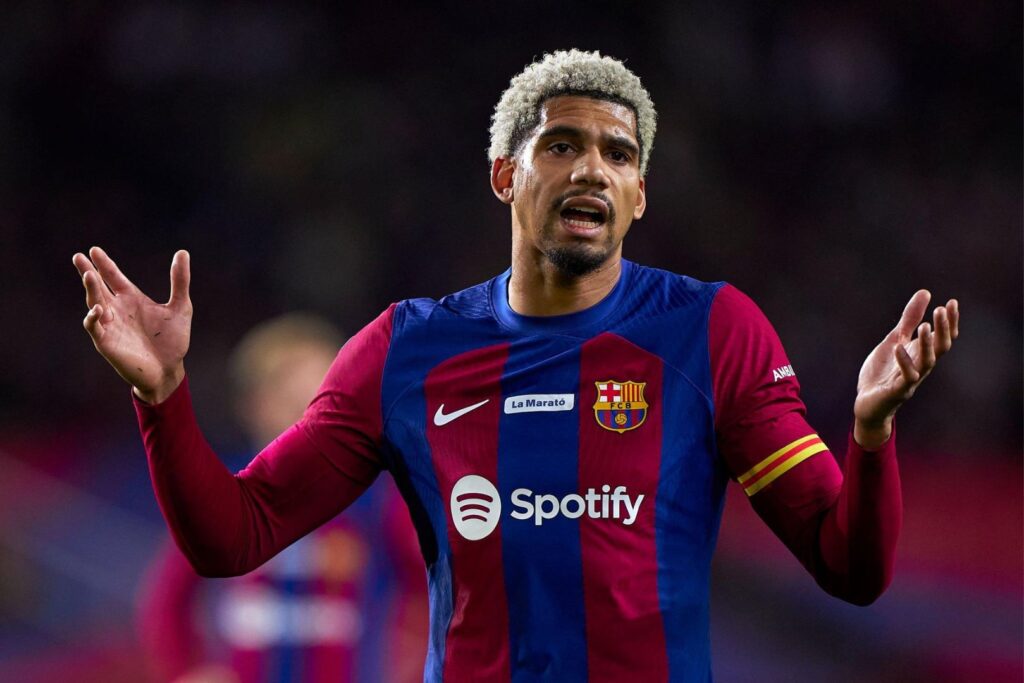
(827,158)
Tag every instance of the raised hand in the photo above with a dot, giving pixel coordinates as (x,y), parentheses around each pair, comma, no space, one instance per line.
(144,341)
(896,367)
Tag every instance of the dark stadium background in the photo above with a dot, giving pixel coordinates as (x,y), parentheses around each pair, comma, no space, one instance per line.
(827,158)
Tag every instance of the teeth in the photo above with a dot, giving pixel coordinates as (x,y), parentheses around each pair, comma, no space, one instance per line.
(583,217)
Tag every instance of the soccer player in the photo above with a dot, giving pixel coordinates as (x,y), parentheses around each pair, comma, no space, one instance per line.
(562,434)
(345,603)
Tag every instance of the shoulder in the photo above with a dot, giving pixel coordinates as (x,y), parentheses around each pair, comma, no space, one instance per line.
(732,307)
(744,346)
(677,287)
(736,320)
(467,304)
(654,295)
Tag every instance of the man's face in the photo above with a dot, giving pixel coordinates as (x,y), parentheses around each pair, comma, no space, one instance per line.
(576,185)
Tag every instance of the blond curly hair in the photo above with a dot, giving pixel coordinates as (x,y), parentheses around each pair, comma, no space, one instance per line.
(569,72)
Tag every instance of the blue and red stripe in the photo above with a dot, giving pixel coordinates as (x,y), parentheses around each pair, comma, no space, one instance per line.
(477,641)
(624,627)
(543,564)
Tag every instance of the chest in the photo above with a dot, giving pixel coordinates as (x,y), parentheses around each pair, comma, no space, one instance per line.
(551,428)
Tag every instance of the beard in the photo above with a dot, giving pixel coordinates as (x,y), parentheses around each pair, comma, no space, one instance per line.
(578,258)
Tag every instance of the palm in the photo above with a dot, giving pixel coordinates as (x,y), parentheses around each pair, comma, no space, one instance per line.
(881,385)
(142,336)
(896,367)
(144,341)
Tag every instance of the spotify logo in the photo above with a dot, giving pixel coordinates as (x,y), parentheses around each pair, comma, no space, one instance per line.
(475,506)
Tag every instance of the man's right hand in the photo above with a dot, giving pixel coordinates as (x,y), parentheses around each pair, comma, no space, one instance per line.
(144,341)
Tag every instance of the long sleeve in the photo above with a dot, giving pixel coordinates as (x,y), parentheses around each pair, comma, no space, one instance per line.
(842,526)
(229,524)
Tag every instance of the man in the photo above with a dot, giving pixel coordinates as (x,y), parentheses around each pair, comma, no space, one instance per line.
(562,434)
(345,603)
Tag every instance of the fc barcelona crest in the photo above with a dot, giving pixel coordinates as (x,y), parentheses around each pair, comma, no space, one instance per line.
(620,406)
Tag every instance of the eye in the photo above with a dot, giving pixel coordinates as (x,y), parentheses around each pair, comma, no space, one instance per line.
(618,156)
(560,148)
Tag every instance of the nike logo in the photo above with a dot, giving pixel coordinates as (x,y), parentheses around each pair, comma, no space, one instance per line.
(440,419)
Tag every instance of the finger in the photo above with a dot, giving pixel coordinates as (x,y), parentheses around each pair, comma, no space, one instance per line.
(913,313)
(93,323)
(906,363)
(112,275)
(82,263)
(181,275)
(95,292)
(84,266)
(953,307)
(927,340)
(943,337)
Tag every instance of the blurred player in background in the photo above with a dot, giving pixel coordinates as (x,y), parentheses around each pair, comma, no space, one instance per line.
(346,603)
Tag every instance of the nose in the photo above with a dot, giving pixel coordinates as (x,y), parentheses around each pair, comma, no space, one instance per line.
(589,169)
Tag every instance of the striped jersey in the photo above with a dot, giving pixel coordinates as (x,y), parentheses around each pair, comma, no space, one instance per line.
(565,474)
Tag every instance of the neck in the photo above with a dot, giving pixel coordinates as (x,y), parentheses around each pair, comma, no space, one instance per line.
(538,288)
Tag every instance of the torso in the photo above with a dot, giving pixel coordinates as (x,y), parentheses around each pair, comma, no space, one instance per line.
(594,435)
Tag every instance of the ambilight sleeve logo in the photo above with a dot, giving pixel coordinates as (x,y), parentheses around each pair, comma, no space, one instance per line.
(476,507)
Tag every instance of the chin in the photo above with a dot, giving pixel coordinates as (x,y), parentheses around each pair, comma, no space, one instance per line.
(576,261)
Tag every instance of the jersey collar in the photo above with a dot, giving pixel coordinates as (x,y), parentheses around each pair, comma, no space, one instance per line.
(579,320)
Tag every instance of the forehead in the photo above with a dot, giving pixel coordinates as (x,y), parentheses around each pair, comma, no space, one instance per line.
(588,113)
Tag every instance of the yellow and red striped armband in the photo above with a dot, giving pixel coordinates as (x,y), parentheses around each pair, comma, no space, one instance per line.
(780,462)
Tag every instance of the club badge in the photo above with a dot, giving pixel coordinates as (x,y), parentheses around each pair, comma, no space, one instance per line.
(620,406)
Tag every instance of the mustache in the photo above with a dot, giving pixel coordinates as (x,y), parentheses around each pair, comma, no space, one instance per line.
(557,204)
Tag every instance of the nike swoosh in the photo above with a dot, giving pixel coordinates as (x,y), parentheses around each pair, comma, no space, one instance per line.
(440,419)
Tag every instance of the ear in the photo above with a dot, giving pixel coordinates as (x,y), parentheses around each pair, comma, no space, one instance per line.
(641,201)
(502,174)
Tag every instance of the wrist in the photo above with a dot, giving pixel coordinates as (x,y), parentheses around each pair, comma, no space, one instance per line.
(872,435)
(160,393)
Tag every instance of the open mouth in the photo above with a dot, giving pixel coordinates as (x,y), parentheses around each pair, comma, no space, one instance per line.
(584,215)
(582,219)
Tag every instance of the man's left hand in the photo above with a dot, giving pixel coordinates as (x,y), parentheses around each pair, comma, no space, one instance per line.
(896,367)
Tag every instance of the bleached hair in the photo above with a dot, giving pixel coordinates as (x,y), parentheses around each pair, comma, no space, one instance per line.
(569,72)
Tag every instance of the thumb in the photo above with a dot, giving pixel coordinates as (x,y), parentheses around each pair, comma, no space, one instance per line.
(181,275)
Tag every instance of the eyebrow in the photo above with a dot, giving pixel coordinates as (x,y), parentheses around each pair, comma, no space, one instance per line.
(573,132)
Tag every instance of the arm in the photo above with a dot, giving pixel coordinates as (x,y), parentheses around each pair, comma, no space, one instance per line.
(842,527)
(229,524)
(225,524)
